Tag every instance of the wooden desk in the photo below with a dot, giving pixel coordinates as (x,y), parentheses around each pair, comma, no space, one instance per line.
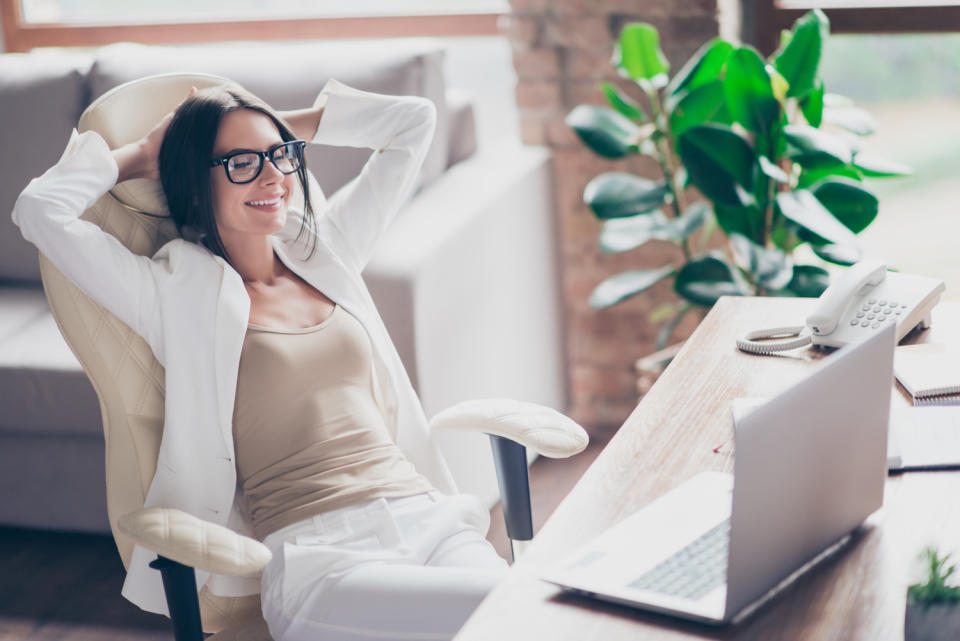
(859,593)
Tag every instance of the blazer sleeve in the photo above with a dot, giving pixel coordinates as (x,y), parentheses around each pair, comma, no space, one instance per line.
(399,129)
(48,215)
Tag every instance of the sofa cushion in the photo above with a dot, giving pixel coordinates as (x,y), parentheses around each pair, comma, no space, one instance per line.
(43,388)
(41,96)
(289,76)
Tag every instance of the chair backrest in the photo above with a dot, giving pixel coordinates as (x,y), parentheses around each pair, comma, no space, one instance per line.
(127,378)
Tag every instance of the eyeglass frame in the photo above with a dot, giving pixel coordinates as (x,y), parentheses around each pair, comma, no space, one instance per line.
(261,155)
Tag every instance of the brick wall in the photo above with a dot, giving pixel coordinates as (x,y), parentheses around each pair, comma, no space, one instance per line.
(561,51)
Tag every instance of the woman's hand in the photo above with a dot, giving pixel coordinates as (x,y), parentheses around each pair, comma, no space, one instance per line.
(140,159)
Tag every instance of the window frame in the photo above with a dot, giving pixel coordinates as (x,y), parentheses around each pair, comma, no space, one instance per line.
(770,18)
(19,36)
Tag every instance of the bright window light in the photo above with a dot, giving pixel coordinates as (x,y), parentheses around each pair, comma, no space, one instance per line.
(80,12)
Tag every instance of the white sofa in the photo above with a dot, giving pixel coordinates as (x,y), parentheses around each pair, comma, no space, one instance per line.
(465,280)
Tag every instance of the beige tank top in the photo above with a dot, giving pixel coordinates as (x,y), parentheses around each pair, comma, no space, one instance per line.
(308,433)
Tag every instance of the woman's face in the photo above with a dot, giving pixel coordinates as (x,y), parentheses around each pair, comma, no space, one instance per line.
(258,207)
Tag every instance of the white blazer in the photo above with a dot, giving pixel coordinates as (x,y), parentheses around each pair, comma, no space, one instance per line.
(192,308)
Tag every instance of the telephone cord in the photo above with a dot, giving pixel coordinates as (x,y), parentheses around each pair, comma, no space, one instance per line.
(797,336)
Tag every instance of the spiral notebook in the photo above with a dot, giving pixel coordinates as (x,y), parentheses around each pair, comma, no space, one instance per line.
(930,372)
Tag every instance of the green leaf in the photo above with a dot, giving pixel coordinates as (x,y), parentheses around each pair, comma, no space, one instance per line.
(812,106)
(799,59)
(616,195)
(877,167)
(772,170)
(815,175)
(638,52)
(621,103)
(803,208)
(854,119)
(748,91)
(604,131)
(706,103)
(747,221)
(849,203)
(838,254)
(703,67)
(809,281)
(811,142)
(691,220)
(703,280)
(623,286)
(772,269)
(623,234)
(719,162)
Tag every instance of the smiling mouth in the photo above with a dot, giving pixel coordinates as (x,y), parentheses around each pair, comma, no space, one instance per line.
(265,203)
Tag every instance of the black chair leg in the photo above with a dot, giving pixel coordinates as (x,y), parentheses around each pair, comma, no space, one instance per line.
(510,459)
(180,587)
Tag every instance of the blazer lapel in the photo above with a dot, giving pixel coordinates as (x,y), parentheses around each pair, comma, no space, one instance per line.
(233,314)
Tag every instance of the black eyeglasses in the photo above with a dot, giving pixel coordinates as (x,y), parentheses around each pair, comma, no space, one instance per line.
(244,166)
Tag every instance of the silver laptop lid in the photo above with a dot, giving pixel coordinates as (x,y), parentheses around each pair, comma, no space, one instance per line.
(809,466)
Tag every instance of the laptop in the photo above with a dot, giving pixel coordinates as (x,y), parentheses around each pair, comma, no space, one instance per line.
(809,466)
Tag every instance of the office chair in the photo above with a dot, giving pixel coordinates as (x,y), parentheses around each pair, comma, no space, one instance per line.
(129,383)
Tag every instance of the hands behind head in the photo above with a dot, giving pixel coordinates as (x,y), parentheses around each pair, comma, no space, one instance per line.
(140,159)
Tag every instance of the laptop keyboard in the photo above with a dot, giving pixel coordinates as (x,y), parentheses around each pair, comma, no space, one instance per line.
(693,571)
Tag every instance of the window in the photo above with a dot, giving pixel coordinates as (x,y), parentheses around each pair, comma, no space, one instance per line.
(912,88)
(852,16)
(35,23)
(911,85)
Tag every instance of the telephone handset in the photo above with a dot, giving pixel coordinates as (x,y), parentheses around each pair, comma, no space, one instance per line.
(863,300)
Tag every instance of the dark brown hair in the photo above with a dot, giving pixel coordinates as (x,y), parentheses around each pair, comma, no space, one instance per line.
(185,156)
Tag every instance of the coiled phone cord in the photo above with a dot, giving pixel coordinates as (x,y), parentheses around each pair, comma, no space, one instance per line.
(796,335)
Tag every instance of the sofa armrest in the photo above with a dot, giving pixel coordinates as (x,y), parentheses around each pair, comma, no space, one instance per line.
(466,281)
(541,429)
(193,542)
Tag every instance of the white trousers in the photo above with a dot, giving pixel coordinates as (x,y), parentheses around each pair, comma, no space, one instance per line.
(407,569)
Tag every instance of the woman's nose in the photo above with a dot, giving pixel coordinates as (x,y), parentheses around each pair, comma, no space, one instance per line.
(269,173)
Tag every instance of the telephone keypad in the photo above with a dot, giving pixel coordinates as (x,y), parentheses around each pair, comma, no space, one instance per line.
(865,324)
(854,322)
(859,314)
(871,316)
(865,308)
(887,311)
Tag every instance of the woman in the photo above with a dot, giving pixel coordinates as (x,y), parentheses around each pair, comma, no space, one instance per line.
(284,396)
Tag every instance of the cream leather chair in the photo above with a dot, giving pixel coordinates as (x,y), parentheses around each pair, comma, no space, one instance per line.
(130,385)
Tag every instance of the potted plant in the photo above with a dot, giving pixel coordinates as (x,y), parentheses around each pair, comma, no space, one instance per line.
(748,134)
(932,606)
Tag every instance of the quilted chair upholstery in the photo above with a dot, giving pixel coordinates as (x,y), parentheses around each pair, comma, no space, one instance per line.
(127,378)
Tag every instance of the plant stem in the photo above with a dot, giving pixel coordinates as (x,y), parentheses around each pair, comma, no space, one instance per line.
(668,161)
(768,211)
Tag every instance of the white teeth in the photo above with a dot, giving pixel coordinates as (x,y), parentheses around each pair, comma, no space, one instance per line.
(259,203)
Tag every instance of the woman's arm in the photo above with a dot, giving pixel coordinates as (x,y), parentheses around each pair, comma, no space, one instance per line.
(400,130)
(303,122)
(48,215)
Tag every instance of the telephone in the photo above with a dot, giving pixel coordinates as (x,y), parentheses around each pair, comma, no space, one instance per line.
(864,299)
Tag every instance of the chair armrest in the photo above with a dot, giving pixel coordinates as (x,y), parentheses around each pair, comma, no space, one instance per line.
(542,429)
(194,542)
